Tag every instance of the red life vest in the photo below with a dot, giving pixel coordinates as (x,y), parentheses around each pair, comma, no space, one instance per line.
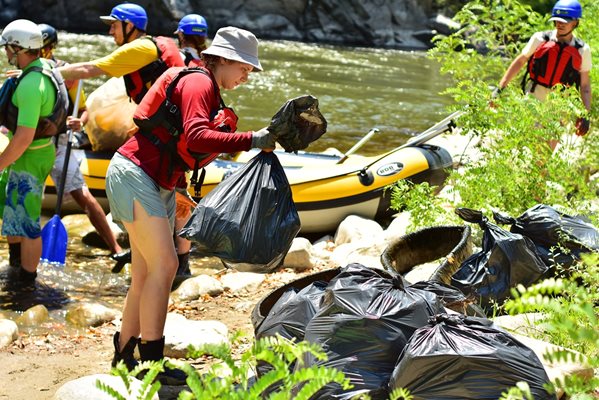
(137,83)
(555,63)
(160,111)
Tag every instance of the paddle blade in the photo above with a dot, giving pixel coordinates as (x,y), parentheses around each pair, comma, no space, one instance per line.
(54,241)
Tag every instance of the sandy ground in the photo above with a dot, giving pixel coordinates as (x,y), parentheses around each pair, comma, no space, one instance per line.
(33,368)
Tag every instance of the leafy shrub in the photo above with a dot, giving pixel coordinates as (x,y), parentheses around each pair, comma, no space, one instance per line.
(571,316)
(230,379)
(518,167)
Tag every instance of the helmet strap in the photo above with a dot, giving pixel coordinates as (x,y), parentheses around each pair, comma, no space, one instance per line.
(15,53)
(126,35)
(565,35)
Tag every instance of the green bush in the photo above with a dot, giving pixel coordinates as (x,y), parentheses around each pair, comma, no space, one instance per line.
(229,378)
(517,169)
(571,317)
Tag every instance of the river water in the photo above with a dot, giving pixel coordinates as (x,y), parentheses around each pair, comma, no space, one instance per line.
(397,92)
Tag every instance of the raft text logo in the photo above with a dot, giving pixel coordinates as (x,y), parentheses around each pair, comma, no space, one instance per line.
(389,169)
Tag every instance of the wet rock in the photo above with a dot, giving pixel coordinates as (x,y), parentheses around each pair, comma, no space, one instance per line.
(85,388)
(93,238)
(90,314)
(200,285)
(9,331)
(77,225)
(180,332)
(242,281)
(355,228)
(299,256)
(33,316)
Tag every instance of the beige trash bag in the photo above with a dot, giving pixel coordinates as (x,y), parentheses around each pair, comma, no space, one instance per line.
(110,116)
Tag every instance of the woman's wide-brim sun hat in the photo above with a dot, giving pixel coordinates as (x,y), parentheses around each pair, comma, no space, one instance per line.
(235,44)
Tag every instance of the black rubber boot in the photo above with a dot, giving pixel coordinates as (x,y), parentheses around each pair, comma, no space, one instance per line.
(153,350)
(25,277)
(183,268)
(126,354)
(121,259)
(14,254)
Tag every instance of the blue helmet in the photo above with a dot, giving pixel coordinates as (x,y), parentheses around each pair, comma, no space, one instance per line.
(566,10)
(128,12)
(193,24)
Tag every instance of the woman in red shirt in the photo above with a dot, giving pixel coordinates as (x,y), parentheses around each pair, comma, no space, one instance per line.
(181,126)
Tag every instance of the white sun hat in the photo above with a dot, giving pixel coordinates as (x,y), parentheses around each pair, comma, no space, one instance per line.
(235,44)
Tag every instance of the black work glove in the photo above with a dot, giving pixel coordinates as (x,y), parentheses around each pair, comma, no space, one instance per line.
(582,126)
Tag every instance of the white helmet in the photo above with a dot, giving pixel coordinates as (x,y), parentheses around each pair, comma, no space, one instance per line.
(22,33)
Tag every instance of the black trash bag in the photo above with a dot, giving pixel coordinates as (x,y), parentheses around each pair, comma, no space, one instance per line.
(298,123)
(452,298)
(457,358)
(288,318)
(249,220)
(560,238)
(366,317)
(506,260)
(292,312)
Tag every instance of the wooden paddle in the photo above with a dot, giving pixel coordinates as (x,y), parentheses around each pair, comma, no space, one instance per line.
(54,234)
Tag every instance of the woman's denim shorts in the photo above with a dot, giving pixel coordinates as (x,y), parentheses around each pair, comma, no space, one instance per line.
(127,182)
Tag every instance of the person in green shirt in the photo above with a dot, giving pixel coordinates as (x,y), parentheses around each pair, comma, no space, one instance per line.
(29,156)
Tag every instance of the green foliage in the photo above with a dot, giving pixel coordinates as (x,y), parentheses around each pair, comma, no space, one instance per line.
(400,394)
(426,209)
(571,317)
(490,31)
(520,392)
(517,168)
(229,378)
(149,387)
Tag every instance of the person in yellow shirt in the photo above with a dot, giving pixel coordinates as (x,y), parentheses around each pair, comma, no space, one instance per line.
(140,59)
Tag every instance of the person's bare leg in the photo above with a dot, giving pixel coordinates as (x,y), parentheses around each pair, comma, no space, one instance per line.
(96,216)
(130,326)
(153,240)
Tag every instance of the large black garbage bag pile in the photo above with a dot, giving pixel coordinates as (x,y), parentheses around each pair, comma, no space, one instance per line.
(249,220)
(452,298)
(366,317)
(298,123)
(560,238)
(458,358)
(506,260)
